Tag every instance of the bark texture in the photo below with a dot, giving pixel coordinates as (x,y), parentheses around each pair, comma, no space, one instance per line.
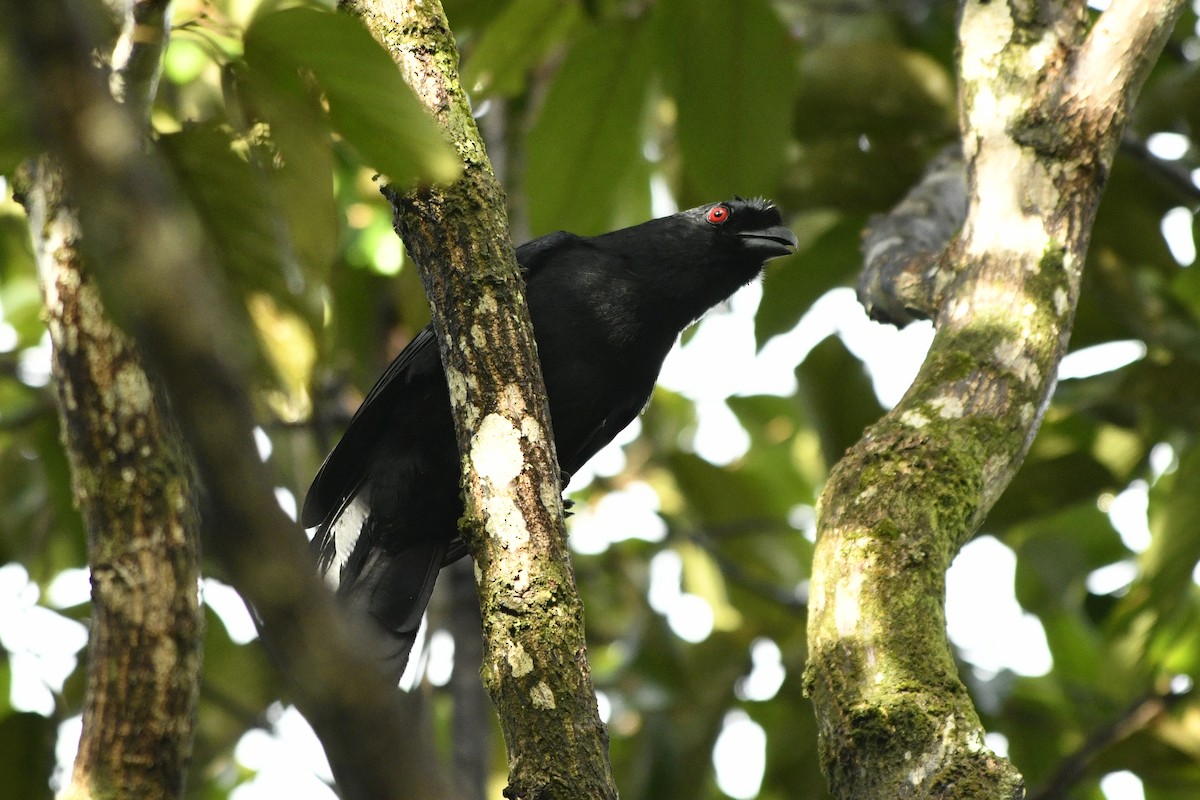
(1043,102)
(155,269)
(132,483)
(535,664)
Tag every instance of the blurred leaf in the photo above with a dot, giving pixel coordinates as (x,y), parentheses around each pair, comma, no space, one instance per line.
(588,137)
(732,74)
(838,397)
(872,87)
(1166,568)
(369,103)
(514,42)
(1046,486)
(1056,552)
(237,208)
(238,686)
(716,495)
(794,283)
(26,756)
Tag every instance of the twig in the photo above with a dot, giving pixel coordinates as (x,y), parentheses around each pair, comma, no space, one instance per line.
(1140,714)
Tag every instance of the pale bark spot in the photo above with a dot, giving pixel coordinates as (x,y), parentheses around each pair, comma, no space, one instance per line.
(541,696)
(948,407)
(496,451)
(518,660)
(1011,356)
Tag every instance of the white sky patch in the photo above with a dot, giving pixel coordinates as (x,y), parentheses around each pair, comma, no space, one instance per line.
(289,760)
(1162,460)
(610,460)
(287,501)
(1129,514)
(996,742)
(628,513)
(603,706)
(1122,785)
(689,616)
(1112,578)
(1168,146)
(766,674)
(441,658)
(263,443)
(43,646)
(1177,231)
(71,587)
(227,604)
(1100,358)
(983,617)
(33,364)
(8,335)
(66,747)
(740,756)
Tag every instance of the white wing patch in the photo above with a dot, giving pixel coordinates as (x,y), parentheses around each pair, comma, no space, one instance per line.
(345,532)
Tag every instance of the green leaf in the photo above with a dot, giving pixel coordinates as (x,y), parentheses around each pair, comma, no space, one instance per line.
(26,756)
(838,397)
(1045,486)
(872,87)
(234,201)
(732,72)
(514,43)
(588,137)
(369,103)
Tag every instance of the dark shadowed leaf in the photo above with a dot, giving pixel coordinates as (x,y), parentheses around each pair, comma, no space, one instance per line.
(26,755)
(588,137)
(838,397)
(514,42)
(732,72)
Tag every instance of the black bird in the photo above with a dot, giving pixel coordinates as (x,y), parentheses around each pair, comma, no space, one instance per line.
(605,310)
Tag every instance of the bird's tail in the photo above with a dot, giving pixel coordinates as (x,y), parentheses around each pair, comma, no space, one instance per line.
(393,589)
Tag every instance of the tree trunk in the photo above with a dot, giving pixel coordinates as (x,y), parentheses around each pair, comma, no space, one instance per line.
(132,483)
(1043,104)
(535,664)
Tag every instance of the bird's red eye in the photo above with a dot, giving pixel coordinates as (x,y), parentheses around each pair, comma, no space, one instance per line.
(717,214)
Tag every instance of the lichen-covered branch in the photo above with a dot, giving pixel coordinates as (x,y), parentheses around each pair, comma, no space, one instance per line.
(1042,111)
(904,277)
(535,664)
(132,484)
(154,267)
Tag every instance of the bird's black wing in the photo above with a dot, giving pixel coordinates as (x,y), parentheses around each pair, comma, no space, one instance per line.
(345,466)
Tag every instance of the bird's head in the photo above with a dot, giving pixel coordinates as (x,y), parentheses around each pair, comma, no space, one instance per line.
(720,248)
(749,229)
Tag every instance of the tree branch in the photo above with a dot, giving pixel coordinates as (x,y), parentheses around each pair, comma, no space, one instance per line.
(151,253)
(904,277)
(133,485)
(535,664)
(1038,144)
(1140,714)
(137,58)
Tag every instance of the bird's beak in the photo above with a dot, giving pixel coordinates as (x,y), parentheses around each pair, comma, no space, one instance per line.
(771,242)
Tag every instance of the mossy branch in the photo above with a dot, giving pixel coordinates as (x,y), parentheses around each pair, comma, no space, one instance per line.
(535,664)
(1043,102)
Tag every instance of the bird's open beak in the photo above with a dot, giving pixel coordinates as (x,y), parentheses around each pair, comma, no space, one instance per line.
(771,242)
